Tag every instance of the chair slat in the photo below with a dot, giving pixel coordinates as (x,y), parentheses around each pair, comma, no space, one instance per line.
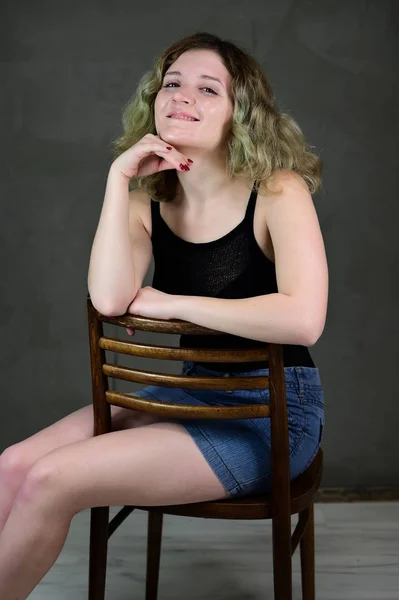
(176,353)
(157,325)
(189,411)
(183,381)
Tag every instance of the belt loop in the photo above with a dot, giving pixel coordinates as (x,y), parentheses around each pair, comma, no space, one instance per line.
(299,382)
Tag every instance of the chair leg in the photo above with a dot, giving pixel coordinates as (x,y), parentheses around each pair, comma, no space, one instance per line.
(282,562)
(308,558)
(99,519)
(155,520)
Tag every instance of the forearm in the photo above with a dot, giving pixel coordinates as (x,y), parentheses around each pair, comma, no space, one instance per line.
(111,277)
(272,318)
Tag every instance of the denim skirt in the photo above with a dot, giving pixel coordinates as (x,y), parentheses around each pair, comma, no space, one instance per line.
(239,450)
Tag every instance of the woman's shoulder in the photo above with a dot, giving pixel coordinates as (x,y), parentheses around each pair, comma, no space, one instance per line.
(280,180)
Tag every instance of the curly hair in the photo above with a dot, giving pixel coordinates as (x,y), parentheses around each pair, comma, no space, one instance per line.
(261,140)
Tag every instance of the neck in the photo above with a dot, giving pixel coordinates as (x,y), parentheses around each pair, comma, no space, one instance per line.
(207,182)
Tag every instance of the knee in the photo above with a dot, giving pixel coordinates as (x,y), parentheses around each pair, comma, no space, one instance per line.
(39,482)
(14,464)
(32,481)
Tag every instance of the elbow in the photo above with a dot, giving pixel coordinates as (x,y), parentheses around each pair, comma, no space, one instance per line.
(310,341)
(109,307)
(109,310)
(312,334)
(114,312)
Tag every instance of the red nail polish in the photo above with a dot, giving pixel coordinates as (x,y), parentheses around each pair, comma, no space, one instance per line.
(189,160)
(168,147)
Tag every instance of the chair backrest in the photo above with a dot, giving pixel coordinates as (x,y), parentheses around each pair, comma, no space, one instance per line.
(272,354)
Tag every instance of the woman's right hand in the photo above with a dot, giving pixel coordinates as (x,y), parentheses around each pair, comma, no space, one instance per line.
(150,155)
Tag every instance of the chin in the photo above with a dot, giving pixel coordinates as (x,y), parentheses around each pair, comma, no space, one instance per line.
(177,140)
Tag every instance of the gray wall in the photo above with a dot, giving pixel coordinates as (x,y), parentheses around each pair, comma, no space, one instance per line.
(67,69)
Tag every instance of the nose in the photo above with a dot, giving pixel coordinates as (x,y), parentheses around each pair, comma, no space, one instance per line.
(181,96)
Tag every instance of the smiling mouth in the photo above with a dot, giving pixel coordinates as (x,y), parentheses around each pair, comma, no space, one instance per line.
(184,119)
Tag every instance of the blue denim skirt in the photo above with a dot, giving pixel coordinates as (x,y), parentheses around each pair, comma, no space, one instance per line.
(239,450)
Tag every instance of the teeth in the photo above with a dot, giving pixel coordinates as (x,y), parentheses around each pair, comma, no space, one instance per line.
(180,117)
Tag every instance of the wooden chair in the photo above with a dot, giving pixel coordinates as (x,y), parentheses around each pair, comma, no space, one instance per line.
(286,498)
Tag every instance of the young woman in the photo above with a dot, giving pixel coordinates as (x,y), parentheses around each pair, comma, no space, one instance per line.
(221,195)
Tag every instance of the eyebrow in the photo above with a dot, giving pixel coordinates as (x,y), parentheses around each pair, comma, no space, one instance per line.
(201,76)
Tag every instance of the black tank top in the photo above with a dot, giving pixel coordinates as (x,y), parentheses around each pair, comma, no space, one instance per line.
(232,266)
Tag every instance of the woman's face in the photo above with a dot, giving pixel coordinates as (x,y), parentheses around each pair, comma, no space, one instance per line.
(204,98)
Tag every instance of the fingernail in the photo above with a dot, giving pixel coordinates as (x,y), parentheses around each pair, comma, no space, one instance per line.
(168,147)
(189,160)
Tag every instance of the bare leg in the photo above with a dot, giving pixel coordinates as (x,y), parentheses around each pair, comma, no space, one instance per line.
(160,464)
(16,460)
(32,538)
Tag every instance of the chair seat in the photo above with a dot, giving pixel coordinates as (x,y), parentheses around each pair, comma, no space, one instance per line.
(255,506)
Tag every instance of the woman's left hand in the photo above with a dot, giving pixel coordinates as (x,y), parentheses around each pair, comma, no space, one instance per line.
(152,303)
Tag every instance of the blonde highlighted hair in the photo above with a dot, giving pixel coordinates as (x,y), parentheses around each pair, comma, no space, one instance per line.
(262,138)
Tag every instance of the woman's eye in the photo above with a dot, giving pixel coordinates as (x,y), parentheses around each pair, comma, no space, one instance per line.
(175,82)
(207,88)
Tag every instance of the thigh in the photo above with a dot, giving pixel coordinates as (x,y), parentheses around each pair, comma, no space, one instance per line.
(148,466)
(75,427)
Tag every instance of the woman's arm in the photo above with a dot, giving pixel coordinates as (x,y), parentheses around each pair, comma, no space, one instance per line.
(273,318)
(122,249)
